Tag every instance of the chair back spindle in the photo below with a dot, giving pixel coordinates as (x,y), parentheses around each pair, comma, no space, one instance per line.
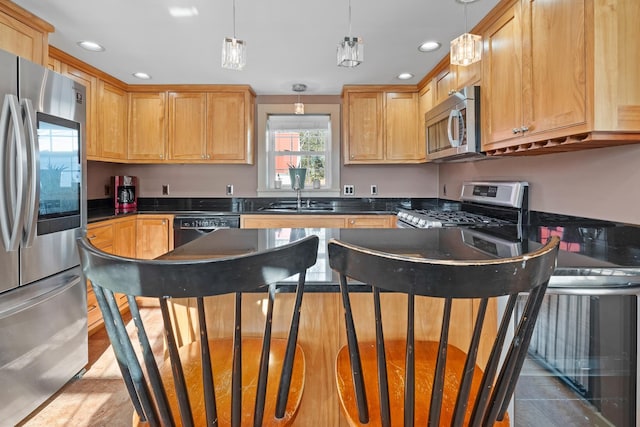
(192,387)
(442,383)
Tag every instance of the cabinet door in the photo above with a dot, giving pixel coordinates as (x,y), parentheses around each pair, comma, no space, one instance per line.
(555,76)
(292,221)
(124,238)
(401,128)
(467,75)
(371,221)
(363,132)
(147,133)
(112,123)
(90,83)
(501,93)
(444,83)
(101,236)
(228,135)
(425,103)
(153,236)
(22,39)
(187,129)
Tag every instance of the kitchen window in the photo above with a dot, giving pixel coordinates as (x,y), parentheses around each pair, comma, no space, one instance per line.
(309,141)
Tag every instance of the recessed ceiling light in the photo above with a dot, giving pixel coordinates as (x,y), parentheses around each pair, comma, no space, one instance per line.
(142,76)
(92,46)
(183,12)
(405,76)
(466,1)
(429,46)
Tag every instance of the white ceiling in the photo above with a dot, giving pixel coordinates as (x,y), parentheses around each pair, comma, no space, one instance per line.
(288,41)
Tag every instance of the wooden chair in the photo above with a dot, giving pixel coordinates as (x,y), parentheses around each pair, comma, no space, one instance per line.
(402,373)
(208,382)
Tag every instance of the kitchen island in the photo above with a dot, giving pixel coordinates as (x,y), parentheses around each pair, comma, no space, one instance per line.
(603,260)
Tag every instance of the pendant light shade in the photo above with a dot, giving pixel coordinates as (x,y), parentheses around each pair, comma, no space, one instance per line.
(467,48)
(350,51)
(298,107)
(234,51)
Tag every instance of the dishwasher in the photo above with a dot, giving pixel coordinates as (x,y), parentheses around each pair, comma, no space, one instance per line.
(189,227)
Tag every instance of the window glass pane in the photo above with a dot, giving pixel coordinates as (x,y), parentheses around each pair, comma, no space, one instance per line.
(299,141)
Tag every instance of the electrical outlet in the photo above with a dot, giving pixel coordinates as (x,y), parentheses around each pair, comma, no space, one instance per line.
(349,190)
(107,190)
(229,189)
(374,189)
(165,189)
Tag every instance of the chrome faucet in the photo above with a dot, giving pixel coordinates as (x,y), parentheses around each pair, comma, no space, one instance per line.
(297,186)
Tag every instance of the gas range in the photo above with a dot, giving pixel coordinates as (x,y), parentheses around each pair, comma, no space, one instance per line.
(482,204)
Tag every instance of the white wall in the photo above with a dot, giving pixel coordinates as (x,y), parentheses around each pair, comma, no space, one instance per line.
(601,183)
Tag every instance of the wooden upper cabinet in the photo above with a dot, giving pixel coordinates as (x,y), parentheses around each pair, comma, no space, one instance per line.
(112,122)
(502,95)
(363,122)
(425,103)
(230,127)
(90,83)
(211,127)
(445,84)
(381,126)
(401,128)
(24,34)
(558,74)
(187,126)
(147,130)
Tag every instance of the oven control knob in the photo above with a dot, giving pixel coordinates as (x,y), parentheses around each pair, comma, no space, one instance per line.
(414,220)
(422,223)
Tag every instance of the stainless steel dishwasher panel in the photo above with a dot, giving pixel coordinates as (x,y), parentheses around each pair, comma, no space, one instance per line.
(188,228)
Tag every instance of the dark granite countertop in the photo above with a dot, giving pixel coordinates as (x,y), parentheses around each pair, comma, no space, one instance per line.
(592,260)
(102,209)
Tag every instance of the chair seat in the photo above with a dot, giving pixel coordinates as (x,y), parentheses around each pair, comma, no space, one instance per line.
(426,354)
(221,360)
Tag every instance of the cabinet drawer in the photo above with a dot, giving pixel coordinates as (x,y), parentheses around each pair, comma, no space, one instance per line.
(101,237)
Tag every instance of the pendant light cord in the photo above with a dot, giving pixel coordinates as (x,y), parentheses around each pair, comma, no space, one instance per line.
(234,19)
(349,19)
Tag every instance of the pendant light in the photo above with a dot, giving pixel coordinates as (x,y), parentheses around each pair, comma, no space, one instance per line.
(298,107)
(350,51)
(467,48)
(234,51)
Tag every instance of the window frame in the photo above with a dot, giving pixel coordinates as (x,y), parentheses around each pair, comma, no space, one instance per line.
(332,173)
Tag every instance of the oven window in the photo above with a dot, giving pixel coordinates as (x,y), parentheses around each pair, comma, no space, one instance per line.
(60,173)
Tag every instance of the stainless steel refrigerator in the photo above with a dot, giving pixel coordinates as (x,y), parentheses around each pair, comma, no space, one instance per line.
(43,315)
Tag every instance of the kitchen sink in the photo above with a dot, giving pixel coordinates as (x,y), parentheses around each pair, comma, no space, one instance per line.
(293,207)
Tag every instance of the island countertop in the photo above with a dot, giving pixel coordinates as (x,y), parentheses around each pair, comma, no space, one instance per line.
(591,260)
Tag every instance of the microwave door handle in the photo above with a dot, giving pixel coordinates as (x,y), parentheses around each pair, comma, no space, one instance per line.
(453,114)
(13,170)
(33,174)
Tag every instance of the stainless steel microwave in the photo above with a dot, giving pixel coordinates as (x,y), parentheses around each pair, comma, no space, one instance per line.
(453,127)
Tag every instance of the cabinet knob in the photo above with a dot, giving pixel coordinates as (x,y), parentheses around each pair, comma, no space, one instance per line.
(202,156)
(164,221)
(524,129)
(162,156)
(515,131)
(208,156)
(452,91)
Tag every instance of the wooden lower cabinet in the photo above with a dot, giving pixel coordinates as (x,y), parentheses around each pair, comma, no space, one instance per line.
(134,236)
(117,236)
(155,236)
(317,221)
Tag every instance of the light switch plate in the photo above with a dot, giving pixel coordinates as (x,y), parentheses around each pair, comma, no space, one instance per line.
(229,189)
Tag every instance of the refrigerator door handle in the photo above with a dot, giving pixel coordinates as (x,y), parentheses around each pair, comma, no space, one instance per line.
(33,174)
(14,173)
